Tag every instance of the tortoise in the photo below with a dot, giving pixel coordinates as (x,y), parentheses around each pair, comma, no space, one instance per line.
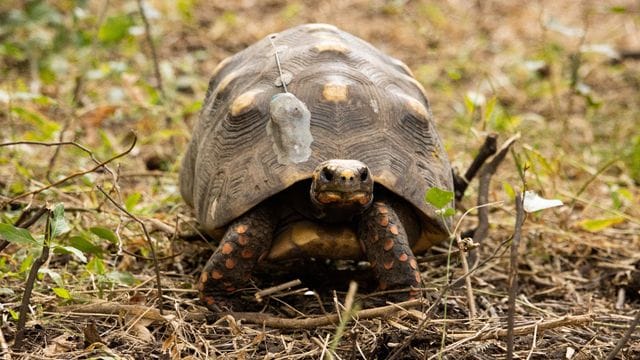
(312,142)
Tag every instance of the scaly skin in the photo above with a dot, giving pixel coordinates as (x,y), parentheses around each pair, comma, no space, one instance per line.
(384,241)
(246,242)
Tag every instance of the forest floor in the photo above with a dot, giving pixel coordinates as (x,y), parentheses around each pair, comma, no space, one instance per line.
(565,75)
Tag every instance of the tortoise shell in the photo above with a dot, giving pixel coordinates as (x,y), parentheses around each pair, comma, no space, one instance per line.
(364,105)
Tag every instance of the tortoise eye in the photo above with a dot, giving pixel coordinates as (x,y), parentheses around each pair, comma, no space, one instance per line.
(364,174)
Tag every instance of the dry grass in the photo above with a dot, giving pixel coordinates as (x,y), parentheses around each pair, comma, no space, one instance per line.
(578,289)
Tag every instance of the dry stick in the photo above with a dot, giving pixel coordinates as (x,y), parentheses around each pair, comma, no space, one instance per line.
(569,320)
(149,241)
(247,317)
(28,287)
(460,183)
(465,267)
(152,46)
(626,337)
(331,319)
(72,176)
(513,275)
(274,289)
(59,143)
(487,171)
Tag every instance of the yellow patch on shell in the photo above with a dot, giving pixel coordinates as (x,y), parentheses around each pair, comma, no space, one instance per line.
(418,85)
(401,64)
(320,26)
(331,46)
(415,106)
(244,102)
(335,92)
(221,65)
(226,81)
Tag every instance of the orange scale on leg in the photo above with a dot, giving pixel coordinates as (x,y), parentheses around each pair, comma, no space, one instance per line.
(230,264)
(227,248)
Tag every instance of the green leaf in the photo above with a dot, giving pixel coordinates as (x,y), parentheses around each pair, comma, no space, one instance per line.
(83,244)
(62,293)
(123,278)
(16,235)
(14,314)
(70,250)
(595,225)
(439,198)
(132,200)
(59,225)
(96,266)
(509,190)
(57,278)
(25,265)
(104,233)
(115,28)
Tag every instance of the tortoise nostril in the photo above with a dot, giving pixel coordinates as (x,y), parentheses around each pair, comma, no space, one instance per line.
(350,178)
(344,178)
(326,174)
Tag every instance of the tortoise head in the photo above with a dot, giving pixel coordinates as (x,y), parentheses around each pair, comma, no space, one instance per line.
(344,185)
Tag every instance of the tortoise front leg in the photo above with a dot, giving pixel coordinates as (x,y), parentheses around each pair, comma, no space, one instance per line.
(386,246)
(246,241)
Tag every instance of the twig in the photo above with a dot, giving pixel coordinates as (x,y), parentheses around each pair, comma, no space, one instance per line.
(487,171)
(149,242)
(28,286)
(460,183)
(247,317)
(626,337)
(533,342)
(274,289)
(59,143)
(152,47)
(570,320)
(74,175)
(465,267)
(513,275)
(331,319)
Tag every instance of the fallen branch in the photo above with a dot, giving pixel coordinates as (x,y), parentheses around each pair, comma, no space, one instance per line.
(495,334)
(331,319)
(145,312)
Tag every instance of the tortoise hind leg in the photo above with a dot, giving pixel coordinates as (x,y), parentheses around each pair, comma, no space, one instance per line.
(245,242)
(386,246)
